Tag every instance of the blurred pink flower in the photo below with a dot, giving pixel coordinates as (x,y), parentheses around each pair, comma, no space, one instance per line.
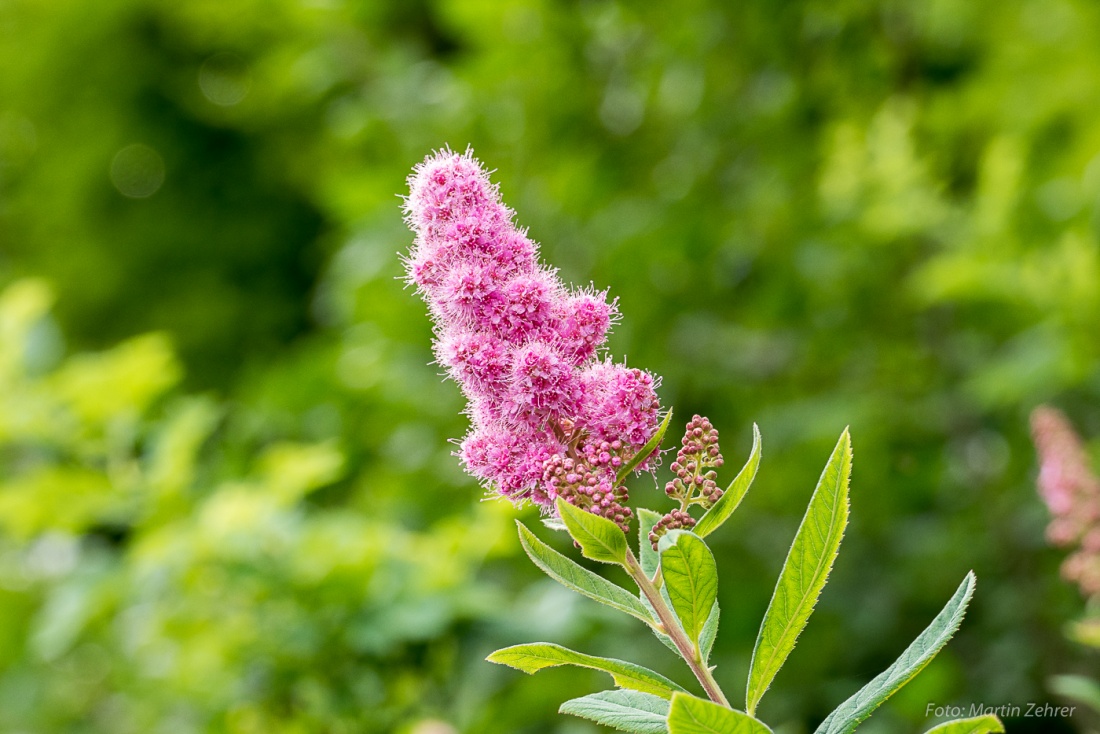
(1071,492)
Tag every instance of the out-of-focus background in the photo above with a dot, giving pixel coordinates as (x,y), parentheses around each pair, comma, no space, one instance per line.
(227,501)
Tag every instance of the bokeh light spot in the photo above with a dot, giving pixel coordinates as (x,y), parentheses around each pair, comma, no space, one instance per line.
(224,79)
(137,171)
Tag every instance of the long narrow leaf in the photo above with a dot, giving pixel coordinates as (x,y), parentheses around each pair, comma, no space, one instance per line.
(731,498)
(580,579)
(690,715)
(535,656)
(629,711)
(643,453)
(849,714)
(978,725)
(804,573)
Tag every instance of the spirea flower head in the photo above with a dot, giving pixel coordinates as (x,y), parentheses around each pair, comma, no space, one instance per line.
(1072,494)
(523,347)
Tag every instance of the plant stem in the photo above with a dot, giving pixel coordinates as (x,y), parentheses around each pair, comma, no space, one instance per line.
(689,651)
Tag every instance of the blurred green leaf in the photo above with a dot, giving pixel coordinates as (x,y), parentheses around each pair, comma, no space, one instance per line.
(648,557)
(710,632)
(976,725)
(1077,688)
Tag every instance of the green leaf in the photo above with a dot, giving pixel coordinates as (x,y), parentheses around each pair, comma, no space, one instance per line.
(849,714)
(710,632)
(538,655)
(580,579)
(721,510)
(691,578)
(623,710)
(690,715)
(804,573)
(599,538)
(645,451)
(648,558)
(978,725)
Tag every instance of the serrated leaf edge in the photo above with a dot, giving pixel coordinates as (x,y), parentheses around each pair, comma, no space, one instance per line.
(761,677)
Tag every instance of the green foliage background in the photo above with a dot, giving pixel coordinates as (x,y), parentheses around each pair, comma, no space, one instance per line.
(227,501)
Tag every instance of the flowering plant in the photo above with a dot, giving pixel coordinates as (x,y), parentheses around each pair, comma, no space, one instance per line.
(556,424)
(1071,491)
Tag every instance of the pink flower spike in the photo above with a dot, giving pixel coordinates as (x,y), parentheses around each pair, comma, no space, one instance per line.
(1072,494)
(522,348)
(447,187)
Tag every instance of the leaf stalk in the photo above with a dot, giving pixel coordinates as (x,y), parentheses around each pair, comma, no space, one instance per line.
(688,650)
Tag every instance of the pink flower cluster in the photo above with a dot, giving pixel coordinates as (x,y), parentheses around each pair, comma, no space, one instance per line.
(523,347)
(1072,493)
